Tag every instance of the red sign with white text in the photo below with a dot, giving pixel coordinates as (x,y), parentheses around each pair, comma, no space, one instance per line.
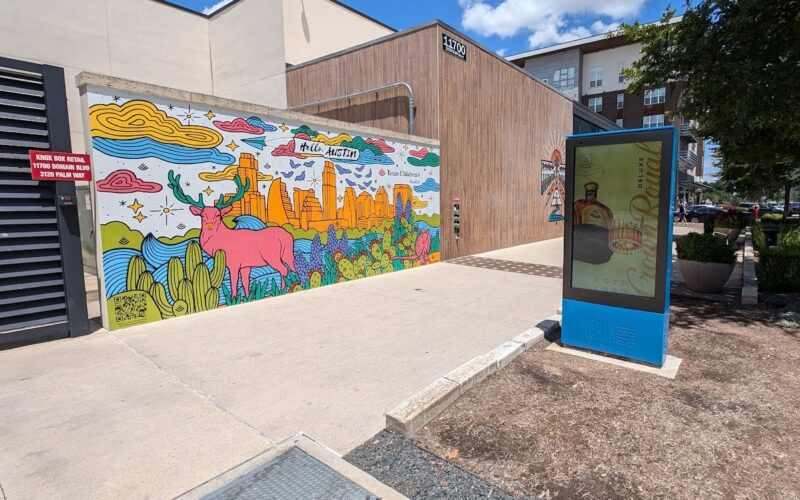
(58,166)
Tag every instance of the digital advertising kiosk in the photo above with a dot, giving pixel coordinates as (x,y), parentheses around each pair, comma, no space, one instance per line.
(620,191)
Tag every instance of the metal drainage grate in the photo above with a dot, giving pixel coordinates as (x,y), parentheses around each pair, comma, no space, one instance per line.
(294,474)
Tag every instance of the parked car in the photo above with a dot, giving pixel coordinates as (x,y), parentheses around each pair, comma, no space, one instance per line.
(748,207)
(776,208)
(697,212)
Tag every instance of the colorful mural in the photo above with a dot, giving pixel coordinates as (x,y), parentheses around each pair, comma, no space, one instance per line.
(199,209)
(552,179)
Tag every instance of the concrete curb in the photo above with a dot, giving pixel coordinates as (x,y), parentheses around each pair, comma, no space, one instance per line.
(749,278)
(415,412)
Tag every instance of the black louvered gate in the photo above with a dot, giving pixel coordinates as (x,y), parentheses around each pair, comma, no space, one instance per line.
(42,293)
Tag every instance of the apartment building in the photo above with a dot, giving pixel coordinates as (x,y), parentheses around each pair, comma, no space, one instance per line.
(589,70)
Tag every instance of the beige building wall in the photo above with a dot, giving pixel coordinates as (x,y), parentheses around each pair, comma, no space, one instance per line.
(612,61)
(151,42)
(247,53)
(315,28)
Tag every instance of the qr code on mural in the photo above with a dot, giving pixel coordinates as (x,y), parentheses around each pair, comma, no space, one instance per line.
(130,308)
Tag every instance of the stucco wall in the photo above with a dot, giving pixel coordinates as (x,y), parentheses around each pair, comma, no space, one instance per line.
(314,28)
(130,39)
(247,53)
(152,42)
(611,60)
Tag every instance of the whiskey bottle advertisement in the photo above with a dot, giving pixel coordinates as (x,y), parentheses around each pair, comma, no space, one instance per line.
(615,218)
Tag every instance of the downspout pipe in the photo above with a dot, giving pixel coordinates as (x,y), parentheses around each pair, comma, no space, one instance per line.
(377,90)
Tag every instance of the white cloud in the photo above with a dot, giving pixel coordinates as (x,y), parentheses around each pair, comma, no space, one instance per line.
(546,21)
(210,9)
(502,52)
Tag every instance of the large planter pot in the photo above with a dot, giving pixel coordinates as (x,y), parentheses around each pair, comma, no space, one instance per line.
(705,277)
(731,234)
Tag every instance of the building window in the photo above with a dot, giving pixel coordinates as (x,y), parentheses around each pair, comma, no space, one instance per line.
(619,123)
(655,96)
(650,121)
(621,76)
(620,101)
(596,76)
(596,104)
(564,78)
(542,76)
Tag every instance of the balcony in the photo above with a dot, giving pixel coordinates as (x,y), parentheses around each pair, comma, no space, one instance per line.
(687,132)
(688,160)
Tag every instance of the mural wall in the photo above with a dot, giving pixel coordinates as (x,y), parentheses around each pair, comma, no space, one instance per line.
(200,208)
(553,178)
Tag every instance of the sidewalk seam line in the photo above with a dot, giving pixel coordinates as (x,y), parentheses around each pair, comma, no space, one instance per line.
(208,399)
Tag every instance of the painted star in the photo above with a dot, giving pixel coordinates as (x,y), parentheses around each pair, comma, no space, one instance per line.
(188,116)
(340,198)
(170,107)
(283,127)
(135,206)
(208,191)
(116,98)
(187,184)
(122,203)
(313,180)
(163,210)
(140,217)
(232,146)
(210,114)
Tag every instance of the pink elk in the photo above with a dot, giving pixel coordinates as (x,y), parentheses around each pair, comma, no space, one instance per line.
(244,248)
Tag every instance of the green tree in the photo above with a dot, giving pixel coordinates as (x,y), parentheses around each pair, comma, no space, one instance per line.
(739,64)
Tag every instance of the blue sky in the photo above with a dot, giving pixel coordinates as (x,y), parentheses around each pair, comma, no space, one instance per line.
(505,26)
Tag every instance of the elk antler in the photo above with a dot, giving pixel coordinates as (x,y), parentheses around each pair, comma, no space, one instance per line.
(177,190)
(240,191)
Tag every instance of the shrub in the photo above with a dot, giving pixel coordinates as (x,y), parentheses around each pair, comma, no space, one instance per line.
(779,269)
(759,239)
(706,248)
(789,237)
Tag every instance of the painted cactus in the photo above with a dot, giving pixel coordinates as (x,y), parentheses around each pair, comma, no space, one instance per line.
(192,287)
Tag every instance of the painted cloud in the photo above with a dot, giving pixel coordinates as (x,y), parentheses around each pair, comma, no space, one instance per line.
(228,175)
(427,186)
(148,148)
(125,181)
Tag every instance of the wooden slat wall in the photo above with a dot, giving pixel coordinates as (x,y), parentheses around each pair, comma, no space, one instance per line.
(497,124)
(410,58)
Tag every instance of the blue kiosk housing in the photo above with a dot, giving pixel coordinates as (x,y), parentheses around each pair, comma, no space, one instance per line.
(620,192)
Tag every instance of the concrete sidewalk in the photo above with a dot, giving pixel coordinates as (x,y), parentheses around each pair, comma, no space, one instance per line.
(158,409)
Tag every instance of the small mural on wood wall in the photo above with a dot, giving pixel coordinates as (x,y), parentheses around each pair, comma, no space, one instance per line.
(553,178)
(199,208)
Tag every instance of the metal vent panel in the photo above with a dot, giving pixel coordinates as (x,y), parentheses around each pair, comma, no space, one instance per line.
(32,288)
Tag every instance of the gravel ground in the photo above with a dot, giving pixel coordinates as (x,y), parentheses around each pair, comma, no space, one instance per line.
(727,427)
(398,462)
